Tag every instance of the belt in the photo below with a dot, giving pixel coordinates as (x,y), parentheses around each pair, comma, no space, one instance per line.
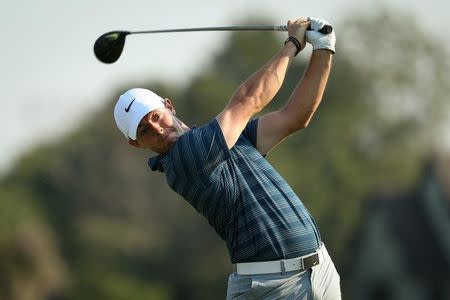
(282,266)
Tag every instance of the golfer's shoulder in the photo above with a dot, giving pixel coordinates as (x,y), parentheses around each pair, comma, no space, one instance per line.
(199,151)
(202,137)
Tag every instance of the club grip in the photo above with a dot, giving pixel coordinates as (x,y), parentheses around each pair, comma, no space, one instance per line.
(326,29)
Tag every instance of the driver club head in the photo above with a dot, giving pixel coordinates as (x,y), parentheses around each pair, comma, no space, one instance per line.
(108,47)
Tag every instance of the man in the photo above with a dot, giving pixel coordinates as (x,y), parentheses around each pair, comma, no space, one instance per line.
(220,169)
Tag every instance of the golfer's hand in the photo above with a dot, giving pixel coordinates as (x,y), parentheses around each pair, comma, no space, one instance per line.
(297,29)
(319,40)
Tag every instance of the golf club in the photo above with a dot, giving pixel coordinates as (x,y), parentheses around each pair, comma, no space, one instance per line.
(109,46)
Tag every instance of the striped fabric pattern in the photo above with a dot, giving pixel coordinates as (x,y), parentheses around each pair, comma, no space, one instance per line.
(245,200)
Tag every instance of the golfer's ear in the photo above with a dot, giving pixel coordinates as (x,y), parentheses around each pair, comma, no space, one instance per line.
(168,104)
(134,143)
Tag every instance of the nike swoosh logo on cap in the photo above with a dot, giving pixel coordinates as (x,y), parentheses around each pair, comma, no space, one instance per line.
(127,109)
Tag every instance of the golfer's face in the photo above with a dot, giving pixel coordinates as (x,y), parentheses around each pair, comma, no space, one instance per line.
(156,131)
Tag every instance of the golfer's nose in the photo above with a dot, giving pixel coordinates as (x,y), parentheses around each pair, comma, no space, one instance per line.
(157,129)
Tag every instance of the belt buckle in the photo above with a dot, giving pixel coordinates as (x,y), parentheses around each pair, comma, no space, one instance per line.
(311,261)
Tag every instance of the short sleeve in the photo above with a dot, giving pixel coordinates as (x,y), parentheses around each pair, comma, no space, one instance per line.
(250,131)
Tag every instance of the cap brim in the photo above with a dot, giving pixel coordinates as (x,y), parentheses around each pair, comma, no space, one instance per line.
(134,124)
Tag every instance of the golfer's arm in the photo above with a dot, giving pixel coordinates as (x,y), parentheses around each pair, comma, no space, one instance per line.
(301,106)
(254,94)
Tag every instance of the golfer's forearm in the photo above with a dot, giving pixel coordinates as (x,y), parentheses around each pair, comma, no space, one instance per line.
(260,88)
(307,96)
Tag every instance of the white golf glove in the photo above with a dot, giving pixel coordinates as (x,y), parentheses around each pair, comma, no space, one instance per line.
(319,40)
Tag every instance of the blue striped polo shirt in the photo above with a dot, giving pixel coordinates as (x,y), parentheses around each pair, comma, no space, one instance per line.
(245,200)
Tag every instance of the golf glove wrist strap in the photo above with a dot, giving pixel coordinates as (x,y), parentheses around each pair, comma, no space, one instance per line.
(295,42)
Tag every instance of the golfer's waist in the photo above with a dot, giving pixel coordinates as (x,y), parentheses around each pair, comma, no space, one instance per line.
(301,263)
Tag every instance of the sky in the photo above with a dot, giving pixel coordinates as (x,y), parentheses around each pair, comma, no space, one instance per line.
(51,81)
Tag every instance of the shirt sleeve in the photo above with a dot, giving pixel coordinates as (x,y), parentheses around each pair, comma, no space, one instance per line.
(250,132)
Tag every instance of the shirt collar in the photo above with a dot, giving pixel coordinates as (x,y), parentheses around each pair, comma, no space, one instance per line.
(156,163)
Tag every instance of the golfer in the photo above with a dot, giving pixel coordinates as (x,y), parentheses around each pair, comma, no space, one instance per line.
(220,169)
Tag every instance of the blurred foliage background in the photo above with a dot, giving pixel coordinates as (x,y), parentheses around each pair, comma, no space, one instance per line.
(84,217)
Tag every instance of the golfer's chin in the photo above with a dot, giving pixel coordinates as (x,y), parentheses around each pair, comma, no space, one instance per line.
(172,138)
(167,143)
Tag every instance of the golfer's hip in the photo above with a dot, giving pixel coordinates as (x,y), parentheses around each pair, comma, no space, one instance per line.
(282,266)
(312,276)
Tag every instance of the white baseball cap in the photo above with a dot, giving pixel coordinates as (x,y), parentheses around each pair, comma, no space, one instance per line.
(132,106)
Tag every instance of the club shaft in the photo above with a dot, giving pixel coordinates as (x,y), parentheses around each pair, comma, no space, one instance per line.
(222,28)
